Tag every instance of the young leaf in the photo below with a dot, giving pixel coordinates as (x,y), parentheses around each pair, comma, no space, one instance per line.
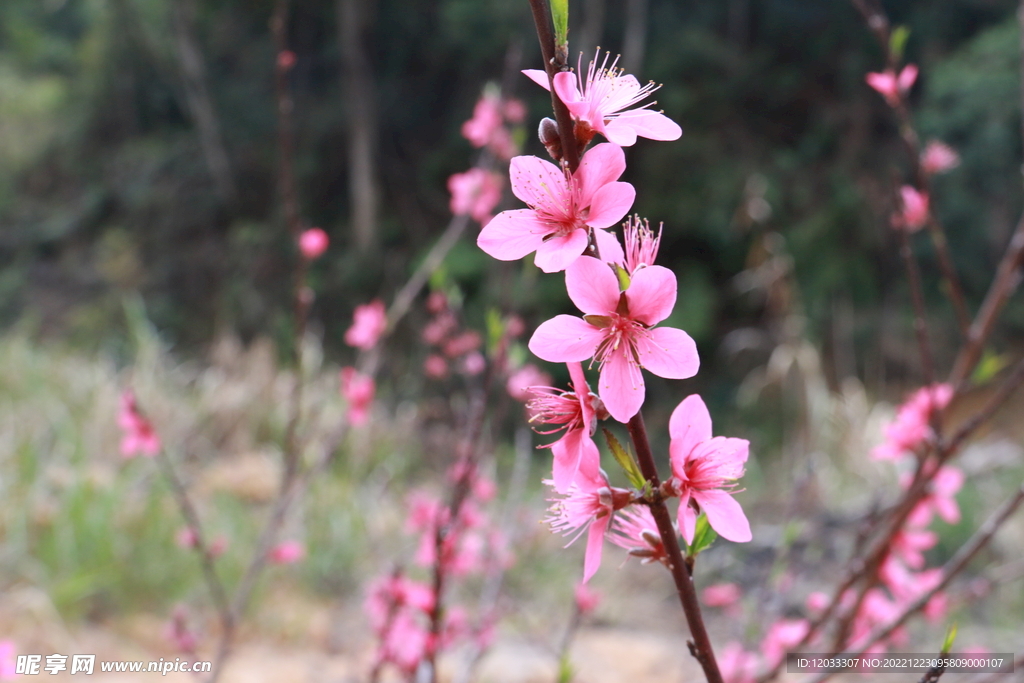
(898,41)
(625,460)
(947,645)
(623,276)
(703,537)
(560,17)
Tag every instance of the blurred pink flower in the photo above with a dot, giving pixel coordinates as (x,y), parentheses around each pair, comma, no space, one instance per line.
(938,157)
(587,599)
(891,86)
(817,601)
(486,120)
(313,243)
(940,499)
(618,331)
(177,632)
(475,193)
(721,595)
(368,323)
(287,552)
(469,340)
(474,363)
(705,470)
(912,424)
(392,592)
(574,412)
(521,382)
(285,60)
(186,537)
(602,103)
(139,435)
(563,208)
(435,367)
(8,659)
(913,213)
(514,110)
(736,664)
(782,636)
(358,389)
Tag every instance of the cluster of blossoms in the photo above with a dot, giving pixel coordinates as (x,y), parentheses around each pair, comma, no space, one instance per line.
(451,344)
(477,191)
(938,157)
(622,296)
(401,609)
(368,324)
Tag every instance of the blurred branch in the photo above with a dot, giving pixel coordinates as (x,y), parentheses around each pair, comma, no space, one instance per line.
(634,36)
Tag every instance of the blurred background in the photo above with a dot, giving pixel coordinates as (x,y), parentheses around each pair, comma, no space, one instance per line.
(143,242)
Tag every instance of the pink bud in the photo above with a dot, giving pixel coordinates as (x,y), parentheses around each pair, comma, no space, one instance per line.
(938,157)
(186,537)
(313,243)
(435,367)
(721,595)
(287,552)
(914,211)
(587,599)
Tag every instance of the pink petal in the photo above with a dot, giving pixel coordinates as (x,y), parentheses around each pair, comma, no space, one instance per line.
(619,133)
(948,510)
(689,426)
(592,286)
(537,182)
(621,386)
(907,77)
(652,294)
(538,76)
(558,253)
(687,517)
(648,124)
(724,515)
(602,164)
(573,452)
(595,542)
(609,204)
(511,235)
(608,245)
(668,353)
(579,385)
(727,454)
(565,88)
(565,339)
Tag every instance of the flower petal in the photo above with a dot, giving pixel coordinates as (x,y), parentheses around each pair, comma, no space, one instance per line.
(619,133)
(538,76)
(582,390)
(687,517)
(566,453)
(511,235)
(668,353)
(539,183)
(608,245)
(609,204)
(565,339)
(724,515)
(592,286)
(566,88)
(621,386)
(602,164)
(558,253)
(652,294)
(595,542)
(649,124)
(726,454)
(689,426)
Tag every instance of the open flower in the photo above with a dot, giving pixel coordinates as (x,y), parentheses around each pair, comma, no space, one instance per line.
(358,389)
(474,193)
(368,323)
(563,208)
(635,530)
(588,506)
(704,471)
(602,103)
(617,331)
(139,435)
(891,86)
(574,412)
(938,157)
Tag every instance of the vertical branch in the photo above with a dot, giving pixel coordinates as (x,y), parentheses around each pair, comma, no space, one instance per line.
(917,299)
(200,104)
(353,21)
(553,65)
(700,646)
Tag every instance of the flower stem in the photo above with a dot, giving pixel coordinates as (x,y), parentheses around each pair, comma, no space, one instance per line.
(700,646)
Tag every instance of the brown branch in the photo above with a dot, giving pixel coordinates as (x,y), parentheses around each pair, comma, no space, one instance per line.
(553,65)
(700,646)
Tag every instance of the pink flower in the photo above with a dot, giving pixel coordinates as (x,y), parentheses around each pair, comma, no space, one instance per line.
(435,367)
(617,331)
(817,602)
(8,666)
(587,599)
(368,323)
(736,664)
(514,110)
(891,86)
(285,60)
(574,412)
(464,343)
(602,103)
(474,363)
(313,243)
(562,206)
(940,499)
(358,389)
(139,435)
(913,213)
(641,244)
(938,157)
(912,424)
(287,552)
(393,592)
(186,537)
(589,505)
(635,530)
(521,382)
(475,192)
(177,632)
(781,637)
(704,470)
(721,595)
(486,120)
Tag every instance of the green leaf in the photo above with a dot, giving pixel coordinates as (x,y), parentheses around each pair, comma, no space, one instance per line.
(703,537)
(495,329)
(947,644)
(565,672)
(625,460)
(898,41)
(560,17)
(623,276)
(990,365)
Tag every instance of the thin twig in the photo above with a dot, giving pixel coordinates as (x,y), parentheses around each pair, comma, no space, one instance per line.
(553,65)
